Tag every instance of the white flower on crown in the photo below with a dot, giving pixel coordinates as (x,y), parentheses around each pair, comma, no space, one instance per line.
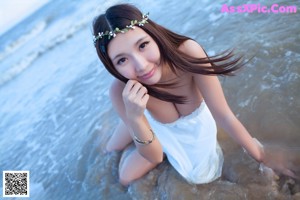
(113,33)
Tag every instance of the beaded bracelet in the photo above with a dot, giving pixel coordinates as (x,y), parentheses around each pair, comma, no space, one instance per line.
(144,142)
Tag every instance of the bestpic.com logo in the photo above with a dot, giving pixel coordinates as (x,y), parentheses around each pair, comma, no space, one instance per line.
(259,8)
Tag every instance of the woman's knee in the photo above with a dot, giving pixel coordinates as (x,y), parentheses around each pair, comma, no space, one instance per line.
(133,166)
(126,177)
(125,180)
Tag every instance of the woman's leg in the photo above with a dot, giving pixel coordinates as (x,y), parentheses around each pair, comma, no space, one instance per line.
(133,166)
(120,138)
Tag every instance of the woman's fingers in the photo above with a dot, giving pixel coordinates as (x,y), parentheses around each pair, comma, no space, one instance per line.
(145,99)
(287,172)
(128,87)
(282,160)
(134,88)
(142,91)
(135,98)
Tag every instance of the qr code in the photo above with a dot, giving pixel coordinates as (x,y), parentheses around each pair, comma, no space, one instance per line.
(15,183)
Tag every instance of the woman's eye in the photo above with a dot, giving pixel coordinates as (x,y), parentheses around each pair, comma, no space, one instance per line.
(121,61)
(143,45)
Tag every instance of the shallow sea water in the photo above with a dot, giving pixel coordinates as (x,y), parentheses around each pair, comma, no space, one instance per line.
(56,116)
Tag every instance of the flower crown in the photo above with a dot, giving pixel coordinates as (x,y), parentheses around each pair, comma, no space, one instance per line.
(113,33)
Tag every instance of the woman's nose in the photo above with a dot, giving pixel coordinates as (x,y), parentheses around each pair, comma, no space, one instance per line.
(140,63)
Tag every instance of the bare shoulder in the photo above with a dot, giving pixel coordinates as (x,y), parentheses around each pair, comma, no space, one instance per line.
(192,48)
(116,89)
(115,94)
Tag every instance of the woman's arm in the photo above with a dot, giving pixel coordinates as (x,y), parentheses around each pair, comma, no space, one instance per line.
(213,95)
(274,157)
(131,113)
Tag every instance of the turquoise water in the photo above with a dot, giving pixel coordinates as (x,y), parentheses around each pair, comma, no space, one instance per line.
(56,115)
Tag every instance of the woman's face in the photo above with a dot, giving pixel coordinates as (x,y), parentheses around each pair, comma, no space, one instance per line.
(135,55)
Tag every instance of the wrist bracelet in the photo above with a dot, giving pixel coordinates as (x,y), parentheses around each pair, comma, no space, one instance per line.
(144,142)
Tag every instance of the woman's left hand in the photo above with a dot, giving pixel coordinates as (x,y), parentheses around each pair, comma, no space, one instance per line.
(282,160)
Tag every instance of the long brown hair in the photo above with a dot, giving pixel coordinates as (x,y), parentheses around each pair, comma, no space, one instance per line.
(168,42)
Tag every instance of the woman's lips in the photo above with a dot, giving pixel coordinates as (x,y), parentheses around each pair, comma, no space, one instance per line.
(149,74)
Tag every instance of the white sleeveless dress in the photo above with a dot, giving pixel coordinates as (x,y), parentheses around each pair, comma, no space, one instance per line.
(190,144)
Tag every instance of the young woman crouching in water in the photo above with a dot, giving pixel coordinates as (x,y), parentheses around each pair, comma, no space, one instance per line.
(169,98)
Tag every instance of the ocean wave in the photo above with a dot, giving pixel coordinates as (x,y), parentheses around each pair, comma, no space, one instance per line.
(47,43)
(16,44)
(27,60)
(17,69)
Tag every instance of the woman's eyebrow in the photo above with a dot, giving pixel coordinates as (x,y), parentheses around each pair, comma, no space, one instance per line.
(141,39)
(136,43)
(118,55)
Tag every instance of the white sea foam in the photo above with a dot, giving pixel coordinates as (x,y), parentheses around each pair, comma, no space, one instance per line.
(12,47)
(17,68)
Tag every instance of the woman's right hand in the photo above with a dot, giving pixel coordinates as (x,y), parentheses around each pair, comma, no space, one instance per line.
(135,97)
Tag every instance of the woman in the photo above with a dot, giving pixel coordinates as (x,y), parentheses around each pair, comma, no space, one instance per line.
(168,96)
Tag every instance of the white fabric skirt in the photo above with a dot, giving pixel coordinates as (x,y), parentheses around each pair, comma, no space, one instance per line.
(190,144)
